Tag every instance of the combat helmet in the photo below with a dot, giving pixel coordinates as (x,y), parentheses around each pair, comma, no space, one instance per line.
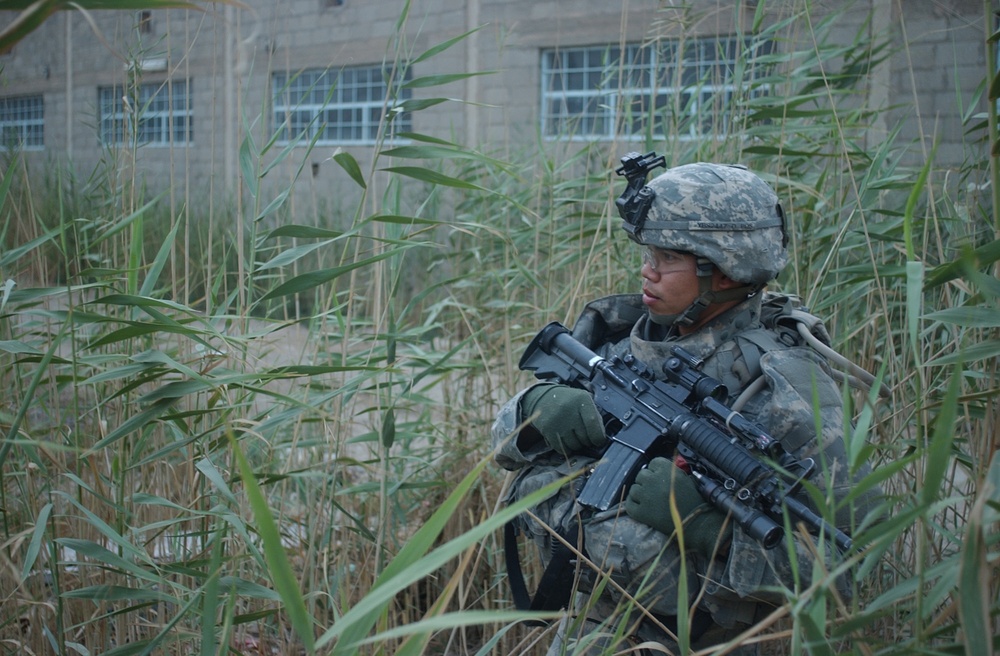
(723,214)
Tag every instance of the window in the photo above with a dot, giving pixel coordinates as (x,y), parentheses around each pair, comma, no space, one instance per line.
(673,87)
(145,22)
(156,114)
(337,108)
(22,123)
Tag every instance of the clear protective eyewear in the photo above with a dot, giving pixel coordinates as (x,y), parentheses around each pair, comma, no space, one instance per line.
(657,258)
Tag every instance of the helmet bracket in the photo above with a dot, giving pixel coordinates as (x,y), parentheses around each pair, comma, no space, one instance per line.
(633,204)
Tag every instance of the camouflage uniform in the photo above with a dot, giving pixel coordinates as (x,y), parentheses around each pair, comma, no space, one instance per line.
(731,220)
(736,349)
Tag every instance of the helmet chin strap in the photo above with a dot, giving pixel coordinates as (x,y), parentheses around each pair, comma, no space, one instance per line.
(706,297)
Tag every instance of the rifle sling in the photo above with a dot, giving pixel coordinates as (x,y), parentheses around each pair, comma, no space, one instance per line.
(556,584)
(518,589)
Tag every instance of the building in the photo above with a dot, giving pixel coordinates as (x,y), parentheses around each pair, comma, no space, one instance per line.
(189,86)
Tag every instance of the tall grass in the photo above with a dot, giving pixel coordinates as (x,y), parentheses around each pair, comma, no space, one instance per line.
(288,453)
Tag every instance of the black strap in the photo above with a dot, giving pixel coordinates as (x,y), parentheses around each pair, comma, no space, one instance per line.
(522,599)
(701,621)
(556,584)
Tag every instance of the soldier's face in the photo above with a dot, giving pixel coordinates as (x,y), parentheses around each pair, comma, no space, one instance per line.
(669,281)
(670,285)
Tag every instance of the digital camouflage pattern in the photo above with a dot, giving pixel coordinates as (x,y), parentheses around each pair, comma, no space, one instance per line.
(723,213)
(736,349)
(730,217)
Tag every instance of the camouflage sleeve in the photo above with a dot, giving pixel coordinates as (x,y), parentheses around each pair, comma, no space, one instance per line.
(512,449)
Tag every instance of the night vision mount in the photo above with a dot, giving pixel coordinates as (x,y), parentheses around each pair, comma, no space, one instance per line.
(633,204)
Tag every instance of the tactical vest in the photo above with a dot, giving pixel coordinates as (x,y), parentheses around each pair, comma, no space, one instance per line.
(784,323)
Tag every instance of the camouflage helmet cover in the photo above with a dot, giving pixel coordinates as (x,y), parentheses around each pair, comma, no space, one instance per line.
(723,213)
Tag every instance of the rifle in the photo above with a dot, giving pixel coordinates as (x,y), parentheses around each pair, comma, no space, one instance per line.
(645,417)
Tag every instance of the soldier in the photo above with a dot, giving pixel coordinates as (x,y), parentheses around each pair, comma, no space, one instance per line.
(712,237)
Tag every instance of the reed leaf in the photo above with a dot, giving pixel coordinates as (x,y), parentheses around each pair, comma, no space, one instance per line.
(433,177)
(35,545)
(279,569)
(416,559)
(350,165)
(974,592)
(306,281)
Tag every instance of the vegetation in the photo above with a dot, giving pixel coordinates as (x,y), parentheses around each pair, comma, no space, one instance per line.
(278,443)
(32,13)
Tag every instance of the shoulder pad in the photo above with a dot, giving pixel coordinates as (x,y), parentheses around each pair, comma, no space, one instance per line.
(608,319)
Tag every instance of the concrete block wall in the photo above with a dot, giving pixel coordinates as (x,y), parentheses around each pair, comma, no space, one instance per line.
(229,54)
(939,63)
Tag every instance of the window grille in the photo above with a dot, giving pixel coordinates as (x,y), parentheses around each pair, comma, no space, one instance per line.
(22,123)
(154,113)
(685,87)
(338,107)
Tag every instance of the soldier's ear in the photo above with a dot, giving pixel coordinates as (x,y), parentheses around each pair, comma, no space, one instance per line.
(723,281)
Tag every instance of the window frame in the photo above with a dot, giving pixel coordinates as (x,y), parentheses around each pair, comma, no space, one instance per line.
(165,110)
(583,101)
(23,117)
(343,107)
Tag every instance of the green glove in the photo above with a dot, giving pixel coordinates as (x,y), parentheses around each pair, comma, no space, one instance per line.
(648,502)
(567,418)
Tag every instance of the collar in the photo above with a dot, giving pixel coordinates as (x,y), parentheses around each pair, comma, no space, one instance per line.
(651,342)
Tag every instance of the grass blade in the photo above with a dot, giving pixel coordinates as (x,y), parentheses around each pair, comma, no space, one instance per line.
(410,564)
(279,569)
(35,545)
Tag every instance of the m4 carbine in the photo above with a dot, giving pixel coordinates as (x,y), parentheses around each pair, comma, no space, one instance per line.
(736,465)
